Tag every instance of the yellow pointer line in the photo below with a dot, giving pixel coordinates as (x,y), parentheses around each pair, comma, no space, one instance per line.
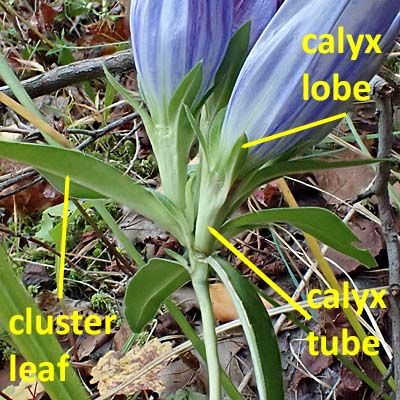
(63,239)
(261,274)
(294,130)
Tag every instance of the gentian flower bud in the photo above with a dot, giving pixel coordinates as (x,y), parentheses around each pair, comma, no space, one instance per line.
(259,12)
(268,95)
(170,37)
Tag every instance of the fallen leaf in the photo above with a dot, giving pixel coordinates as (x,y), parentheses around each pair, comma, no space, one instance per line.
(185,394)
(369,238)
(224,310)
(49,13)
(24,389)
(138,228)
(122,336)
(314,364)
(29,201)
(345,183)
(268,195)
(350,384)
(35,274)
(116,367)
(87,344)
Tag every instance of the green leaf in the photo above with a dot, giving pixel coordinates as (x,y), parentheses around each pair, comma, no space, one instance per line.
(132,100)
(186,93)
(318,222)
(34,347)
(99,177)
(258,329)
(250,181)
(197,130)
(269,173)
(149,287)
(76,8)
(75,191)
(214,134)
(228,72)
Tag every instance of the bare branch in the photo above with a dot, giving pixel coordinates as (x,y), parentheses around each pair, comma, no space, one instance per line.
(383,97)
(60,77)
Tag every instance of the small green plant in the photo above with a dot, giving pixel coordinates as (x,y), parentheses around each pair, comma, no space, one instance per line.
(103,303)
(6,350)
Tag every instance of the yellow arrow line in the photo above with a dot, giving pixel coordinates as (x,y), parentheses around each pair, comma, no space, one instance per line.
(261,274)
(294,130)
(63,239)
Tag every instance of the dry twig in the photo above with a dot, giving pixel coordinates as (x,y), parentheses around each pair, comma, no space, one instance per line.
(383,97)
(74,73)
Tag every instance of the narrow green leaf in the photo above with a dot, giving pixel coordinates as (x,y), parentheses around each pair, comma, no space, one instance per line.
(131,99)
(186,92)
(181,133)
(197,130)
(251,180)
(34,347)
(269,173)
(258,329)
(318,222)
(228,72)
(214,137)
(99,177)
(149,287)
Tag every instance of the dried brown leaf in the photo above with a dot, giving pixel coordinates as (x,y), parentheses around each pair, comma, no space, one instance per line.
(345,183)
(34,199)
(117,367)
(121,337)
(369,238)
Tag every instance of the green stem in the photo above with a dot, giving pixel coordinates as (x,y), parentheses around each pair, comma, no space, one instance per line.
(188,331)
(200,286)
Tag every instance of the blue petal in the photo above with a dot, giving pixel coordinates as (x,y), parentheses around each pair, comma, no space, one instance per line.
(259,12)
(170,37)
(268,95)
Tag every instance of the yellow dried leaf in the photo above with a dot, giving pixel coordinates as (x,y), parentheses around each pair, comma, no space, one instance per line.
(116,367)
(21,392)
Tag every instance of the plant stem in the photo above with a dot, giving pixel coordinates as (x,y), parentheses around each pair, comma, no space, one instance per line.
(197,343)
(200,286)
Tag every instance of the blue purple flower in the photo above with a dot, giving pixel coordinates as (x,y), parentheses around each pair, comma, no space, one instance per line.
(170,37)
(268,95)
(259,12)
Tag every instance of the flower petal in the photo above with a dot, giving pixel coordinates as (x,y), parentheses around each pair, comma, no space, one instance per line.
(268,95)
(259,12)
(170,37)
